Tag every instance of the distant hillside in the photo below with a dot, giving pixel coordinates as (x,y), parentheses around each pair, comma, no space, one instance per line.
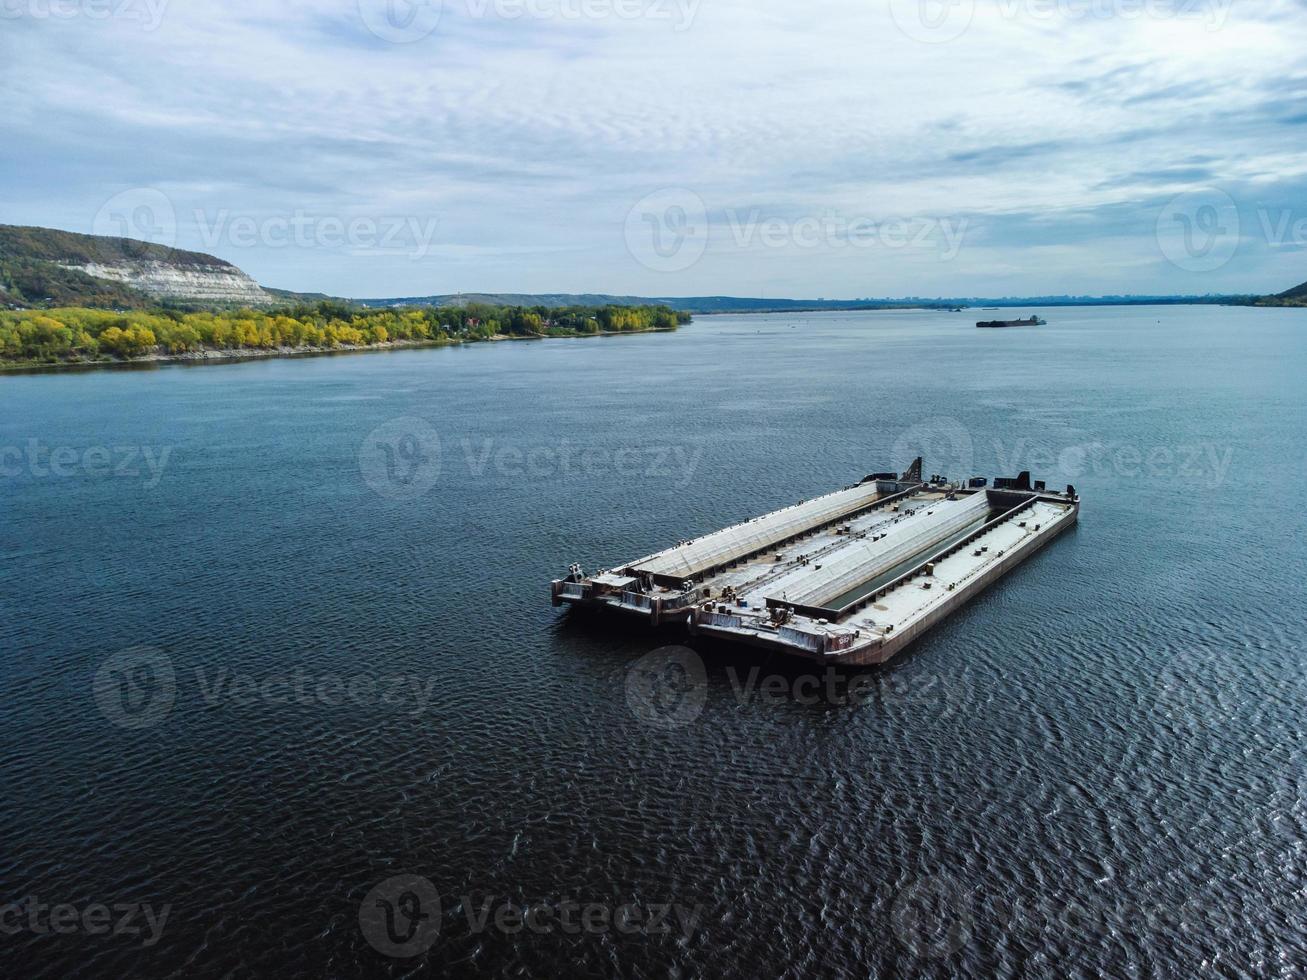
(742,304)
(508,299)
(682,304)
(1298,293)
(43,267)
(552,300)
(290,296)
(48,267)
(1297,296)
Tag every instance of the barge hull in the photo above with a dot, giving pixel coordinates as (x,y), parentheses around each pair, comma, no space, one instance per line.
(849,584)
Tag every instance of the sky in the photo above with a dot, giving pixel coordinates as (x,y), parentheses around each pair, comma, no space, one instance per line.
(848,149)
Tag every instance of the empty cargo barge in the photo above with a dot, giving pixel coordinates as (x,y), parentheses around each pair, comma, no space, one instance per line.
(848,578)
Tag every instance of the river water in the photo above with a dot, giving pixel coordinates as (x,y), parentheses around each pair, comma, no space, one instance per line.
(278,659)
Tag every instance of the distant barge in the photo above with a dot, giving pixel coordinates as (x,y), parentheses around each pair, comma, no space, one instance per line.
(851,578)
(1034,321)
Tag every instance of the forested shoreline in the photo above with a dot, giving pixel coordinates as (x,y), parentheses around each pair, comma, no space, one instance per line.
(78,335)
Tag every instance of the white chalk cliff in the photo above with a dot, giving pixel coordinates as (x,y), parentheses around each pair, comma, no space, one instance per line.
(202,283)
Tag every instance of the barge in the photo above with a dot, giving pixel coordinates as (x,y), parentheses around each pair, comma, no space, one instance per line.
(1034,321)
(848,578)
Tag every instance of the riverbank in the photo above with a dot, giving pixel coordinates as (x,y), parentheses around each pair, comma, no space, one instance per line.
(236,355)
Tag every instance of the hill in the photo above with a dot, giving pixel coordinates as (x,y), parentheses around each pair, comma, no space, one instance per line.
(1297,294)
(48,267)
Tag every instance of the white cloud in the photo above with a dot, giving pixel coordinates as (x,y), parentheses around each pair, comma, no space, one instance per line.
(530,137)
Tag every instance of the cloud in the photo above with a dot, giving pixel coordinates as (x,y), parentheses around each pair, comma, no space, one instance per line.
(528,130)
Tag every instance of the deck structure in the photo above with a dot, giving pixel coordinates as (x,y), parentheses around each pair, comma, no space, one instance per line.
(848,578)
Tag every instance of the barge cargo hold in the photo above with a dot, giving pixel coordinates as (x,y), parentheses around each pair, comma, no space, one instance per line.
(852,577)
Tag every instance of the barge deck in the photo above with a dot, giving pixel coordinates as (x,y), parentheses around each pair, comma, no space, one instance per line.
(852,577)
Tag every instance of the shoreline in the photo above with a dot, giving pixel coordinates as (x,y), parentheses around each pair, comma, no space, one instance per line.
(236,355)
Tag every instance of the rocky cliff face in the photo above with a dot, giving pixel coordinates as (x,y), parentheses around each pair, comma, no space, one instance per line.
(220,283)
(47,267)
